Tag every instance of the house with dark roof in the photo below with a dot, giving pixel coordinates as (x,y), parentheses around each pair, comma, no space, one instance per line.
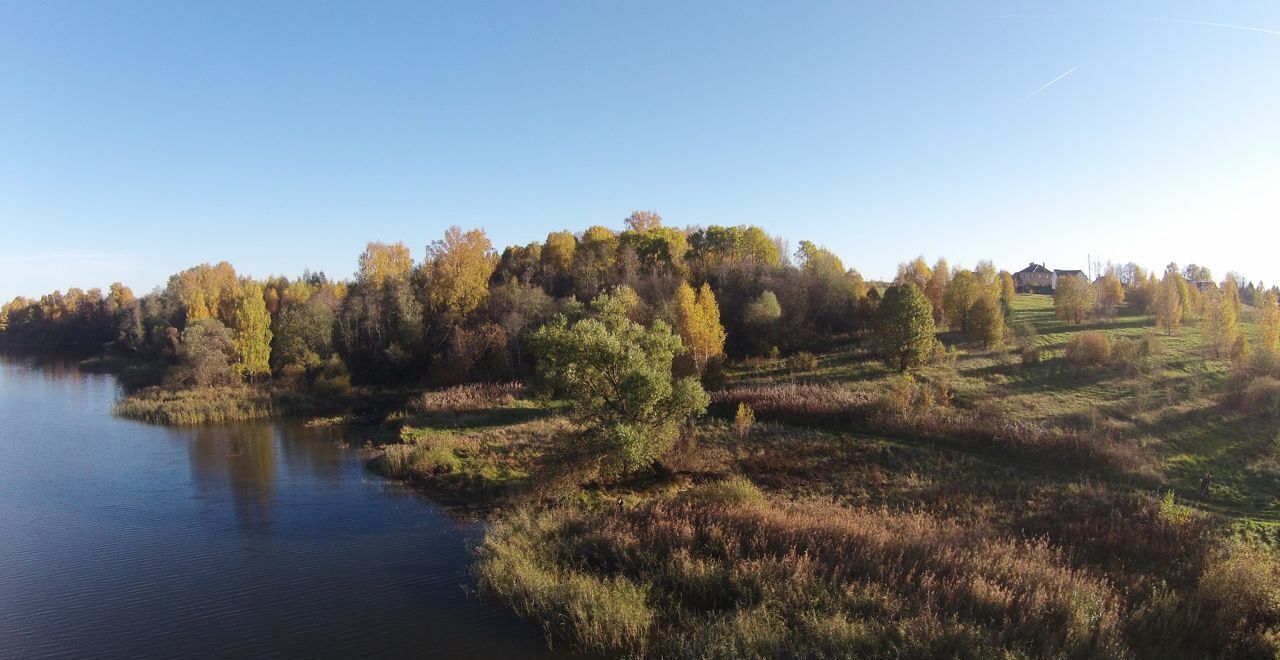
(1058,274)
(1035,278)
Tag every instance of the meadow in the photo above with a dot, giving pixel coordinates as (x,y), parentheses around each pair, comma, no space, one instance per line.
(1007,502)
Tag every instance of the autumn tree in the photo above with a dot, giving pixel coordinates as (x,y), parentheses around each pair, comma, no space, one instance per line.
(302,331)
(522,263)
(958,298)
(716,248)
(617,375)
(936,289)
(904,327)
(205,291)
(1231,289)
(1220,330)
(456,273)
(594,261)
(986,320)
(1008,293)
(1109,293)
(987,276)
(698,323)
(916,271)
(1168,301)
(1269,320)
(557,262)
(381,262)
(833,292)
(1073,298)
(252,326)
(643,221)
(379,326)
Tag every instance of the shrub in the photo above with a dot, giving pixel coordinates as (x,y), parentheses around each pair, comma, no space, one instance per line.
(1262,396)
(731,492)
(468,398)
(1126,355)
(1030,355)
(743,420)
(802,361)
(1089,349)
(1238,597)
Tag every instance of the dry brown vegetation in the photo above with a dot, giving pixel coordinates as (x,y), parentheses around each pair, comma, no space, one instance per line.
(919,410)
(722,571)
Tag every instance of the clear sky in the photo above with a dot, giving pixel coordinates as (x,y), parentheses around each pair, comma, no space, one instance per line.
(137,139)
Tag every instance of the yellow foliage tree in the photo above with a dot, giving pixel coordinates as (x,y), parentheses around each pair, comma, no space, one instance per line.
(1220,330)
(1110,292)
(1073,298)
(698,323)
(251,324)
(457,271)
(381,262)
(1269,319)
(1168,302)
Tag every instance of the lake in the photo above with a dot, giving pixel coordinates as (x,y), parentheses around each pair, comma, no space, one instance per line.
(124,540)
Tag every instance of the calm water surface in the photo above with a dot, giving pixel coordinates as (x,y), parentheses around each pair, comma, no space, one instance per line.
(124,540)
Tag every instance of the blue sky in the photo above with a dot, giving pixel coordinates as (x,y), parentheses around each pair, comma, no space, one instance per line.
(137,139)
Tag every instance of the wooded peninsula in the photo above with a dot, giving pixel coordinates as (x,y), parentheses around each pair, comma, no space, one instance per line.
(699,442)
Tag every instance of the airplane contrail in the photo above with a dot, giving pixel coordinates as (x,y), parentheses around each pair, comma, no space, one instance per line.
(1048,84)
(1247,28)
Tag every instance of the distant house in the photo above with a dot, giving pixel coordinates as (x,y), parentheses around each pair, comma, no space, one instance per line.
(1067,273)
(1035,278)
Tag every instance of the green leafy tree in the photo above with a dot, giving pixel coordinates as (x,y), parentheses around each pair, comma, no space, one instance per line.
(252,325)
(763,310)
(206,356)
(904,327)
(617,375)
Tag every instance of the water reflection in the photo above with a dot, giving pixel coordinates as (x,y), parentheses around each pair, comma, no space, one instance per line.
(241,460)
(123,539)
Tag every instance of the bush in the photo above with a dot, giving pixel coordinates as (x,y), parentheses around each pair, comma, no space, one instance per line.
(468,398)
(1262,396)
(1238,597)
(731,492)
(743,420)
(1126,355)
(1030,355)
(1089,349)
(802,361)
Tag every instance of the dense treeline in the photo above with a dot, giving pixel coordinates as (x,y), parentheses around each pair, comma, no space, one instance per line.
(465,312)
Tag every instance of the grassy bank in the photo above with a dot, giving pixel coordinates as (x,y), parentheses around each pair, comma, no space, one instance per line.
(213,405)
